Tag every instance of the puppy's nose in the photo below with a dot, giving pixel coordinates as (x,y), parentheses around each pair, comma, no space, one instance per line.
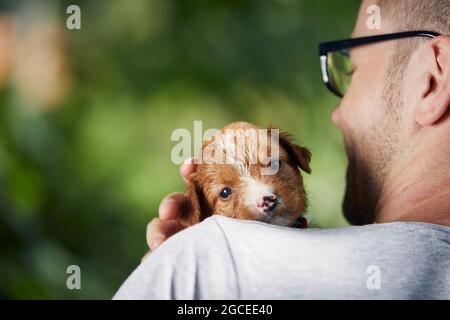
(268,202)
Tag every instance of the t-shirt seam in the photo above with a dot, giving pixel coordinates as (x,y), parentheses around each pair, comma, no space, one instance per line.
(233,261)
(426,227)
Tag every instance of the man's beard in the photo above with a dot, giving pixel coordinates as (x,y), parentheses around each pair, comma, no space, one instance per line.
(361,194)
(369,162)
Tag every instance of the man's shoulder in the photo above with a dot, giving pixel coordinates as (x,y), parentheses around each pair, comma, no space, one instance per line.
(249,242)
(280,262)
(219,229)
(227,258)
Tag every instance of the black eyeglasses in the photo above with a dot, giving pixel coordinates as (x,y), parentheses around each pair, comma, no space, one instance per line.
(335,61)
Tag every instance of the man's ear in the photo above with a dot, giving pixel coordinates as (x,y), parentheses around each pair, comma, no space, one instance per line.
(300,156)
(191,211)
(435,92)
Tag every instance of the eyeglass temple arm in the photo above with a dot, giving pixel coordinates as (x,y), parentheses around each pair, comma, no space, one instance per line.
(326,47)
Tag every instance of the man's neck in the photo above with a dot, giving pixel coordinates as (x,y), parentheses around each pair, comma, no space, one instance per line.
(419,190)
(421,201)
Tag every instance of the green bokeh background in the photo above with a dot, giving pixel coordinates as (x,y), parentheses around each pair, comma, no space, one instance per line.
(80,182)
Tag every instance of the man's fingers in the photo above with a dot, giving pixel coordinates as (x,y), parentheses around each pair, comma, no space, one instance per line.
(187,168)
(171,206)
(170,210)
(158,231)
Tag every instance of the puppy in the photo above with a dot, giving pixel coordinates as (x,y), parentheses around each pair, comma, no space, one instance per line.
(251,174)
(259,179)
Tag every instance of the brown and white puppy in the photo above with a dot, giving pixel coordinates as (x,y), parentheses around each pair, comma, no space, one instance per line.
(245,188)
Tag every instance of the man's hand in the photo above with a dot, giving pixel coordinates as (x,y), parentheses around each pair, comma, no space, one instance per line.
(170,209)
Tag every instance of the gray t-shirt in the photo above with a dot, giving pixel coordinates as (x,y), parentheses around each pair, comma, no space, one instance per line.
(224,258)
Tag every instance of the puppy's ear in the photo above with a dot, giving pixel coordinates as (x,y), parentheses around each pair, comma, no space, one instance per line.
(191,211)
(300,156)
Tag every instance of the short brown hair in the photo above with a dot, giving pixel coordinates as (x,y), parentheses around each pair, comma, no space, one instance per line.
(406,15)
(409,15)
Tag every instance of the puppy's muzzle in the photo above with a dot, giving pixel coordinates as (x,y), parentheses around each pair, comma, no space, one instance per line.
(267,203)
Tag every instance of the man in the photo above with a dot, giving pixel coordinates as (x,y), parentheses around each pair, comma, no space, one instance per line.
(395,118)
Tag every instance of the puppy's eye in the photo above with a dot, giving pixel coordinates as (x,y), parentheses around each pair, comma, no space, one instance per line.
(275,163)
(225,193)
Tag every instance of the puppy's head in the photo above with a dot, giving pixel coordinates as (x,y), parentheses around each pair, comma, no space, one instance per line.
(254,179)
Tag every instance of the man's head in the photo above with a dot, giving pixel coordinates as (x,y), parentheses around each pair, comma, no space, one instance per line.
(400,93)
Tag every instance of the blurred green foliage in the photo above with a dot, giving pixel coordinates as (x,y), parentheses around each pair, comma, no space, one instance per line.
(79,183)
